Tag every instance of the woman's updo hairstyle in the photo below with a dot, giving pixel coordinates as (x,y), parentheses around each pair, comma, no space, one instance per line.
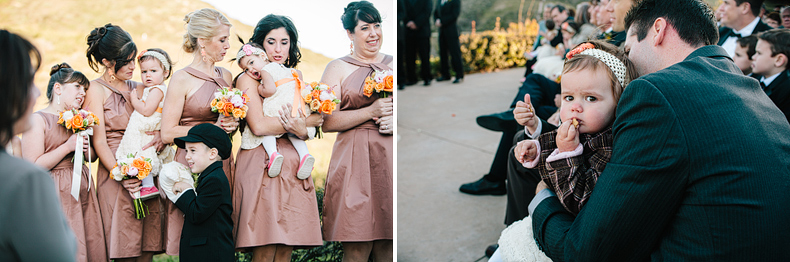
(202,23)
(271,22)
(112,43)
(356,11)
(63,74)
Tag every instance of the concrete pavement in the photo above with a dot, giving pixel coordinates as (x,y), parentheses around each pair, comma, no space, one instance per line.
(440,147)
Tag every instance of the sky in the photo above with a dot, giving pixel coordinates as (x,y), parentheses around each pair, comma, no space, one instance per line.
(318,21)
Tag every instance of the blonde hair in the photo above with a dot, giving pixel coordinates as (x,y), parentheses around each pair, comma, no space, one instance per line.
(202,23)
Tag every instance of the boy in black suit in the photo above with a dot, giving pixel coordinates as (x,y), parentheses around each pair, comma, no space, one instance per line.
(206,234)
(770,60)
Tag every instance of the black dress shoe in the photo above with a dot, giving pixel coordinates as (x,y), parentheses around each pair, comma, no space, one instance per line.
(410,83)
(401,87)
(484,187)
(426,83)
(490,250)
(458,80)
(498,121)
(442,78)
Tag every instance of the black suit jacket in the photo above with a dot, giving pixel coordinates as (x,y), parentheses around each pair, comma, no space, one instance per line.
(208,228)
(401,23)
(419,11)
(780,93)
(448,13)
(700,171)
(725,32)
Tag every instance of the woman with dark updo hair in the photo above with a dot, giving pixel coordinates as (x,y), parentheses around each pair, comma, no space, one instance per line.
(51,146)
(127,238)
(32,227)
(274,215)
(359,200)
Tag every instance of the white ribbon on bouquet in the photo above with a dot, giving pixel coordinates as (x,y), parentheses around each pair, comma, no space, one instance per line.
(76,177)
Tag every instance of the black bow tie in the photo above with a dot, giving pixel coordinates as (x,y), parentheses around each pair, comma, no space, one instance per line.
(734,34)
(762,84)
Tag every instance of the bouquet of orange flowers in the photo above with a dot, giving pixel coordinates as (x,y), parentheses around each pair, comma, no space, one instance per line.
(230,102)
(80,122)
(379,82)
(133,167)
(321,99)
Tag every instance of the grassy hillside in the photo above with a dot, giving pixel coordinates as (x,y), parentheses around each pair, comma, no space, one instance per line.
(59,29)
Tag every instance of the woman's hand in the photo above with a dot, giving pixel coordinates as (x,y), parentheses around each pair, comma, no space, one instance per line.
(156,141)
(227,123)
(382,107)
(71,144)
(293,125)
(524,114)
(542,185)
(385,125)
(132,185)
(567,137)
(526,151)
(314,120)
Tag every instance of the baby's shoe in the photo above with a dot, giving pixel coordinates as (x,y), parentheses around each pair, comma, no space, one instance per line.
(305,167)
(275,164)
(148,193)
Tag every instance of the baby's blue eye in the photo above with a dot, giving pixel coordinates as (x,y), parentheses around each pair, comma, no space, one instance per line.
(591,99)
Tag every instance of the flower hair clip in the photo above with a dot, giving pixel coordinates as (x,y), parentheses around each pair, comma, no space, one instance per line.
(578,50)
(248,50)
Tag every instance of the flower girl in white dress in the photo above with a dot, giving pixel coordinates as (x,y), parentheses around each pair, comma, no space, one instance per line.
(278,86)
(154,69)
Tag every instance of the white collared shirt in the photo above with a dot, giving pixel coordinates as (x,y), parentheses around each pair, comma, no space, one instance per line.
(729,44)
(768,80)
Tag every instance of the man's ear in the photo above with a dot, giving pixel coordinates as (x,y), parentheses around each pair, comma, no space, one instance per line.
(660,29)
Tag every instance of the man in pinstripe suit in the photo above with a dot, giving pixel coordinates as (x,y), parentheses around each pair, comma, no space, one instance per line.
(700,169)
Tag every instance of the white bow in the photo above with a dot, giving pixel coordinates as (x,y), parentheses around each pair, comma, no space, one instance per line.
(76,177)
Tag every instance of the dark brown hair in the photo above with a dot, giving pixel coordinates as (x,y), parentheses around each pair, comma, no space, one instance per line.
(63,74)
(110,42)
(158,50)
(19,61)
(359,11)
(779,40)
(748,42)
(271,22)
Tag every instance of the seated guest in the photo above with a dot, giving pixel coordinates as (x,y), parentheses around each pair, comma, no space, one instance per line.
(744,50)
(770,61)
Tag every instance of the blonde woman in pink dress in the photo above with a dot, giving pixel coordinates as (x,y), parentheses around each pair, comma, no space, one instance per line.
(274,215)
(127,238)
(189,95)
(66,91)
(358,202)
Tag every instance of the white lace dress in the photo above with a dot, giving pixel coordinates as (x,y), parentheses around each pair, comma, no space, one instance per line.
(134,138)
(271,105)
(516,243)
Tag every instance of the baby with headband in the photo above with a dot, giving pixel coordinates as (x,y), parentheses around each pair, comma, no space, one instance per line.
(278,87)
(571,158)
(155,68)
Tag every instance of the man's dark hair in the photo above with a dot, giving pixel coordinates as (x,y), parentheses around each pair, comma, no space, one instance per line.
(748,42)
(692,19)
(779,40)
(560,8)
(755,5)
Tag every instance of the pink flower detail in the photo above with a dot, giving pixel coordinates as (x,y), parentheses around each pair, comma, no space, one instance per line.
(247,49)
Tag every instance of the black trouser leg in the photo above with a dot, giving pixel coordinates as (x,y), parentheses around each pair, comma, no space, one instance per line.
(521,185)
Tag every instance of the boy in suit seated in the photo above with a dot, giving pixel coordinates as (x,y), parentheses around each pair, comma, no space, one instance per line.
(770,61)
(206,234)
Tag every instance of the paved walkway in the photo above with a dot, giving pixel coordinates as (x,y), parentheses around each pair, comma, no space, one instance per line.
(440,147)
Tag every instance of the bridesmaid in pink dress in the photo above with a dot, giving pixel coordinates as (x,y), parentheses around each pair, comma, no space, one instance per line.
(358,202)
(127,238)
(272,216)
(189,95)
(66,90)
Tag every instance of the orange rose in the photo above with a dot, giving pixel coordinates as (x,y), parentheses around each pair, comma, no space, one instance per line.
(124,169)
(327,107)
(214,103)
(147,166)
(228,109)
(367,90)
(220,105)
(308,98)
(388,83)
(138,163)
(238,113)
(315,105)
(142,174)
(60,119)
(76,121)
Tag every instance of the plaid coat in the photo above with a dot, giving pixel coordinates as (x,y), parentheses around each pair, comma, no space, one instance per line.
(573,179)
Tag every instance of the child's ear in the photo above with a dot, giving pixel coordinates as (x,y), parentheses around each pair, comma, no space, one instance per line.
(780,61)
(214,153)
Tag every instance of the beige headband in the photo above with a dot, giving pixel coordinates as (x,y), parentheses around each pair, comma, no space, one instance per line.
(159,56)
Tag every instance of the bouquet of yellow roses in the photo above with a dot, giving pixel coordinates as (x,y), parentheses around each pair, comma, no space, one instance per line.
(133,167)
(230,102)
(79,121)
(321,99)
(380,82)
